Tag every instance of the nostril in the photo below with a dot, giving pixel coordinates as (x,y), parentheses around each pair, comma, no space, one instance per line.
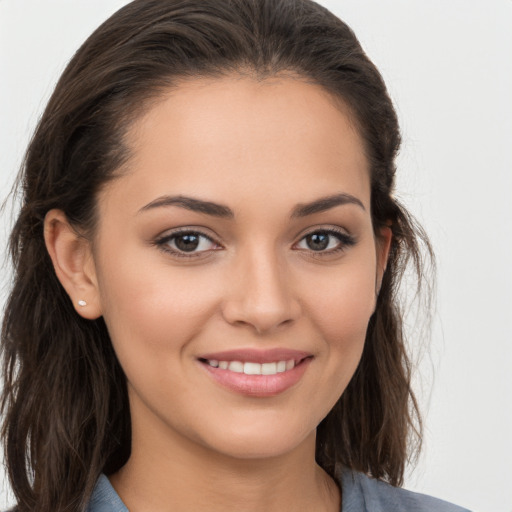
(261,320)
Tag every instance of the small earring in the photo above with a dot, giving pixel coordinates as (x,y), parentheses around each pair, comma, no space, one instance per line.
(82,303)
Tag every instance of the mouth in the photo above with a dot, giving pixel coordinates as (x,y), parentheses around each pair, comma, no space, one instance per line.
(253,368)
(257,373)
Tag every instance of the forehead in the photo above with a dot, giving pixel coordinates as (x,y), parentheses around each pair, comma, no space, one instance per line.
(241,136)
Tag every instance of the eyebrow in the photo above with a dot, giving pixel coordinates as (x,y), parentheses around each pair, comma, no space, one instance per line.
(218,210)
(190,203)
(325,203)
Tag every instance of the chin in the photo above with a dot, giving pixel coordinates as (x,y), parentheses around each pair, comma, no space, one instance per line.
(254,442)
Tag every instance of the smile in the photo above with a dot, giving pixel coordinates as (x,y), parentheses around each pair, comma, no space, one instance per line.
(257,373)
(252,368)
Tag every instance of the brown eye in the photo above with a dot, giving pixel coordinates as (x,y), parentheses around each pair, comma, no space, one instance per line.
(187,243)
(326,241)
(318,241)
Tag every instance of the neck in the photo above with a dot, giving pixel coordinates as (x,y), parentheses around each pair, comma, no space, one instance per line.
(183,476)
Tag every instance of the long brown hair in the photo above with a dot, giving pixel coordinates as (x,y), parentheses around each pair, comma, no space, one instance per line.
(65,406)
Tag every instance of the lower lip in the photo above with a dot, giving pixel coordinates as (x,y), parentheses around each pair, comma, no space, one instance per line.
(258,385)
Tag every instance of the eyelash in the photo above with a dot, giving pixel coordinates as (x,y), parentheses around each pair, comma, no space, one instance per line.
(163,243)
(345,241)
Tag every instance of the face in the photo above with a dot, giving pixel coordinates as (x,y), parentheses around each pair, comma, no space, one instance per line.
(236,264)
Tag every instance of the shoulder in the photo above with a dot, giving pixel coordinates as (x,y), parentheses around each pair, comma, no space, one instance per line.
(104,498)
(362,493)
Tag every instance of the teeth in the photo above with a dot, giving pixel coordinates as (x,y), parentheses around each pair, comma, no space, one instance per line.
(250,368)
(236,366)
(269,368)
(281,366)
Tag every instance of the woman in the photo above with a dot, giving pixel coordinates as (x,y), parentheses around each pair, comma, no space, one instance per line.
(204,313)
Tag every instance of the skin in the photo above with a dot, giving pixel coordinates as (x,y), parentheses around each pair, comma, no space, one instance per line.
(260,148)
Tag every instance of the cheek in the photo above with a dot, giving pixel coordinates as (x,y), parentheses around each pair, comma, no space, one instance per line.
(150,309)
(342,303)
(340,308)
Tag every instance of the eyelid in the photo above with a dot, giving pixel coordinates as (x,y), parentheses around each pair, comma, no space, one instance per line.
(162,242)
(345,240)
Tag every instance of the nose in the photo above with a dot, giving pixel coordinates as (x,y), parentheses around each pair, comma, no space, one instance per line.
(261,293)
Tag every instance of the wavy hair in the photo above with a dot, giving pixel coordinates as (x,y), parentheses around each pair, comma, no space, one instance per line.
(65,405)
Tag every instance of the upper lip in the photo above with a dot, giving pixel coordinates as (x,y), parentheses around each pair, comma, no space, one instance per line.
(257,355)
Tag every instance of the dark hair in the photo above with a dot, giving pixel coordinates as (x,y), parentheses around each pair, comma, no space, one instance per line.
(65,396)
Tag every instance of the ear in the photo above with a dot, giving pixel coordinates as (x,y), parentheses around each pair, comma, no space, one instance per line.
(73,263)
(383,241)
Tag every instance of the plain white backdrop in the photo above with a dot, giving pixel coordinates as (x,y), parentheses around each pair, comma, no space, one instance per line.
(448,66)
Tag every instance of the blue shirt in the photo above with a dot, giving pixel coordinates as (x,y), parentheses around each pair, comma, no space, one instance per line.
(360,494)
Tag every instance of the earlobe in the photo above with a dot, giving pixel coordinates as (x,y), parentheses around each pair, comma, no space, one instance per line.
(73,263)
